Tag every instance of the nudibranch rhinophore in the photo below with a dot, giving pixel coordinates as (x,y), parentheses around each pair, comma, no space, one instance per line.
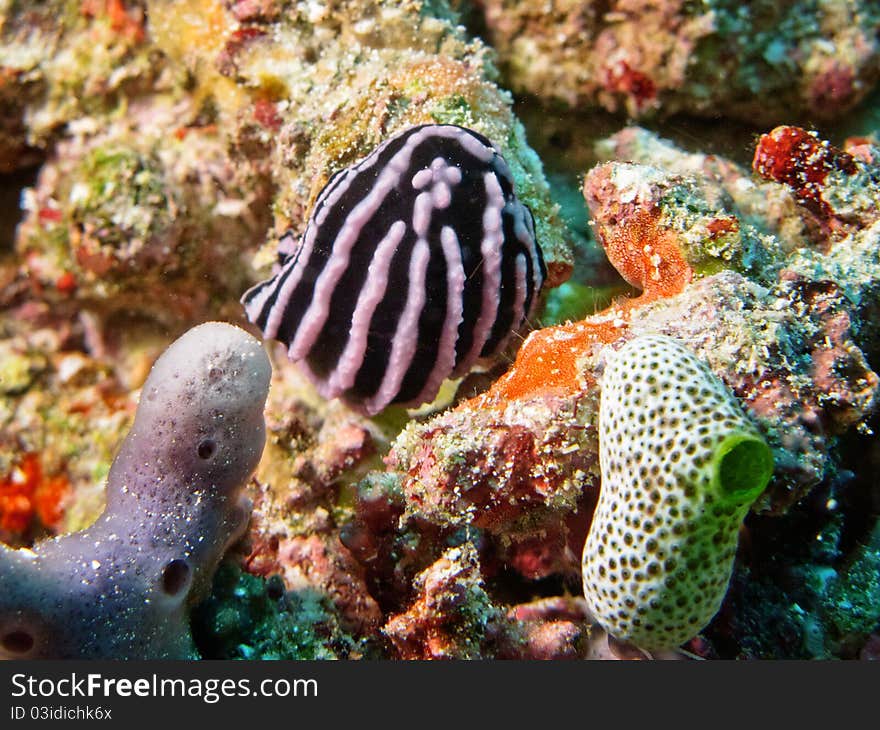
(415,262)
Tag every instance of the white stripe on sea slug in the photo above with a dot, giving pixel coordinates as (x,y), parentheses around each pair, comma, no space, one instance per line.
(490,249)
(422,208)
(375,285)
(422,178)
(319,308)
(403,345)
(276,314)
(440,175)
(525,233)
(454,310)
(256,297)
(324,204)
(330,196)
(452,174)
(441,196)
(296,267)
(519,298)
(472,145)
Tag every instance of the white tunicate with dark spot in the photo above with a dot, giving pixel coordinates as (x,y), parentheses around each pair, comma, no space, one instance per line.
(681,463)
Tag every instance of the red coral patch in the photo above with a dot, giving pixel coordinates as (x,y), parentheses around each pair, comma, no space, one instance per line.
(26,493)
(799,159)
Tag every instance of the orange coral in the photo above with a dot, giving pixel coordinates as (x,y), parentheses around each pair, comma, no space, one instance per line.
(721,226)
(128,24)
(648,256)
(25,492)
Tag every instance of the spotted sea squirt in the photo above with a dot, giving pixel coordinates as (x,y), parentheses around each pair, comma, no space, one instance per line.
(122,588)
(681,464)
(415,262)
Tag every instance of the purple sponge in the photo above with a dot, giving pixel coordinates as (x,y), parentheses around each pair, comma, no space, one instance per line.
(121,588)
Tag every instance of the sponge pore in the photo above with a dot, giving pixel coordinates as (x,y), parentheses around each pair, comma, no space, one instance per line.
(681,464)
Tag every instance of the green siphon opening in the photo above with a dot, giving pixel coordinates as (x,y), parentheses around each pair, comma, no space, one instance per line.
(743,466)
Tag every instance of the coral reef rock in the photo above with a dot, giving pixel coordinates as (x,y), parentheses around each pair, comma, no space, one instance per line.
(766,62)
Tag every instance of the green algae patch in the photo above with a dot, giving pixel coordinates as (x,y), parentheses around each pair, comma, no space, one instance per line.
(124,195)
(248,617)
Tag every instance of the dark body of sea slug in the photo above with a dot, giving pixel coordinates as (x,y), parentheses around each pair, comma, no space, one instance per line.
(415,262)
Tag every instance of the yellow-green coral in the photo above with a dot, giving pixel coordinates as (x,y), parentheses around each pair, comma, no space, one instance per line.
(681,464)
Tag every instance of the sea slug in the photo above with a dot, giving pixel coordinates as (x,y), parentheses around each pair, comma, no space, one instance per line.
(415,262)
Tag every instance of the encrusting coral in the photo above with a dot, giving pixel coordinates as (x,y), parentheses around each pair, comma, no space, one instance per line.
(681,465)
(122,588)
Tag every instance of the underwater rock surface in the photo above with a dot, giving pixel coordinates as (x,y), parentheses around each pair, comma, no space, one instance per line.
(766,62)
(164,148)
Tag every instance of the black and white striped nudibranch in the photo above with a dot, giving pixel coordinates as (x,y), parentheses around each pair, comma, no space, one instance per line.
(415,262)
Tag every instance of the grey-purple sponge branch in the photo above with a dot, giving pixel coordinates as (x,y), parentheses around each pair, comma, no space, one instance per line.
(121,589)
